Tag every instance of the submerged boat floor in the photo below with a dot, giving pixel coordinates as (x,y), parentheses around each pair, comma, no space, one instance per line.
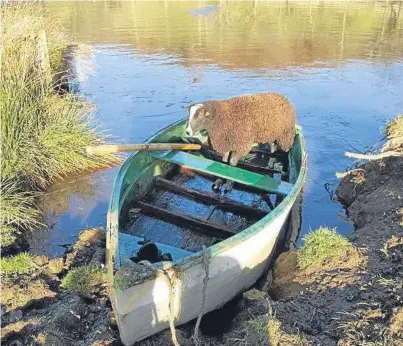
(165,230)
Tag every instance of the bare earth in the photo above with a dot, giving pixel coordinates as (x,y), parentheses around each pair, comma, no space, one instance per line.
(37,311)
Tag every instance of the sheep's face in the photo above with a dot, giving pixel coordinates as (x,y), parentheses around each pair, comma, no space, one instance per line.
(198,118)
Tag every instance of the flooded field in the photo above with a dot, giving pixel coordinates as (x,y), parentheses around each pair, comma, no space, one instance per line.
(340,64)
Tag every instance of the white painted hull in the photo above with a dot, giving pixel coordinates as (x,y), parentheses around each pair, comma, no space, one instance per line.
(143,310)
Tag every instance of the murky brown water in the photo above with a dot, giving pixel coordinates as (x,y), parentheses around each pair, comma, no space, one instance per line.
(341,64)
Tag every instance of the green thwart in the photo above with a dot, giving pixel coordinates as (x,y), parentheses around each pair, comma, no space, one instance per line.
(222,170)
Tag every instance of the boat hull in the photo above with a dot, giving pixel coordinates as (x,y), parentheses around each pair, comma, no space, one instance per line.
(144,309)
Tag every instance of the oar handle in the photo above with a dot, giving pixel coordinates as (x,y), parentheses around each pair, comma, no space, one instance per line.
(118,148)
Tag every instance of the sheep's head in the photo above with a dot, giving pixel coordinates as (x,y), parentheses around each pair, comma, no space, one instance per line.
(198,120)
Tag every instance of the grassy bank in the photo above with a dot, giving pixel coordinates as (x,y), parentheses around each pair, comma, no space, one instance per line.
(44,133)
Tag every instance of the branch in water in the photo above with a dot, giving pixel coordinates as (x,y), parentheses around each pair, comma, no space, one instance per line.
(373,157)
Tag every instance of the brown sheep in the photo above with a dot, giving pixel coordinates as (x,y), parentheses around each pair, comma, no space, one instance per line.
(235,124)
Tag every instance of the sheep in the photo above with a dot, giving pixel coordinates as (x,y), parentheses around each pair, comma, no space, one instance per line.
(235,124)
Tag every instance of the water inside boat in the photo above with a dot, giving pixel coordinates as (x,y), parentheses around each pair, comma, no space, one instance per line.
(181,210)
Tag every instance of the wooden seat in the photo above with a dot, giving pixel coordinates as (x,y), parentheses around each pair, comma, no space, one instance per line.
(224,171)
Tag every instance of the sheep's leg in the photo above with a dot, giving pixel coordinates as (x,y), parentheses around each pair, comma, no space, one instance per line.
(233,162)
(234,159)
(219,183)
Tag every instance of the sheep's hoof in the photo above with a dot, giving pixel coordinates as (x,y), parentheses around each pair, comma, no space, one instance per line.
(217,185)
(228,186)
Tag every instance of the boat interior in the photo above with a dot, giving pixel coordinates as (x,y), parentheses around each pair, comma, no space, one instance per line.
(171,211)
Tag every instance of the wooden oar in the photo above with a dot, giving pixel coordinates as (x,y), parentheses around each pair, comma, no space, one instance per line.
(118,148)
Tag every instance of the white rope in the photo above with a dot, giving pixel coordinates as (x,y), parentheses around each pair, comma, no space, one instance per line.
(205,264)
(171,309)
(165,275)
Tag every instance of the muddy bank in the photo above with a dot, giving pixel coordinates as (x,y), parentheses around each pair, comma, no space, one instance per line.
(354,300)
(38,310)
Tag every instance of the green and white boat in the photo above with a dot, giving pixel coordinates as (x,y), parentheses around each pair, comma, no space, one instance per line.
(213,247)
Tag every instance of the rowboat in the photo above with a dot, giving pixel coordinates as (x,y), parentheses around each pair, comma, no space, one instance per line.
(206,248)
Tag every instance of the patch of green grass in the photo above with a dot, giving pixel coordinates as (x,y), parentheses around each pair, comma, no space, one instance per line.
(83,280)
(17,209)
(18,264)
(8,235)
(395,127)
(274,330)
(259,326)
(323,246)
(44,134)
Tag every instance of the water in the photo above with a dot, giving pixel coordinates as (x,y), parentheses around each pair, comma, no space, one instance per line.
(340,64)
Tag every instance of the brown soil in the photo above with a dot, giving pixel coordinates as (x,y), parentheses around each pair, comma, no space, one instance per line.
(36,311)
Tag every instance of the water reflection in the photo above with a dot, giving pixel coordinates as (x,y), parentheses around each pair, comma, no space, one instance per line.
(70,206)
(250,34)
(340,64)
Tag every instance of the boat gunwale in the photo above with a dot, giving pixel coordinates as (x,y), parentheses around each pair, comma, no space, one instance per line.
(216,249)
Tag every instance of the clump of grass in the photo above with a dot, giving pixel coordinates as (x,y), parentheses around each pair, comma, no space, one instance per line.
(274,330)
(257,326)
(83,280)
(8,235)
(277,336)
(395,128)
(18,264)
(17,208)
(391,245)
(396,323)
(394,134)
(44,134)
(323,246)
(366,326)
(266,330)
